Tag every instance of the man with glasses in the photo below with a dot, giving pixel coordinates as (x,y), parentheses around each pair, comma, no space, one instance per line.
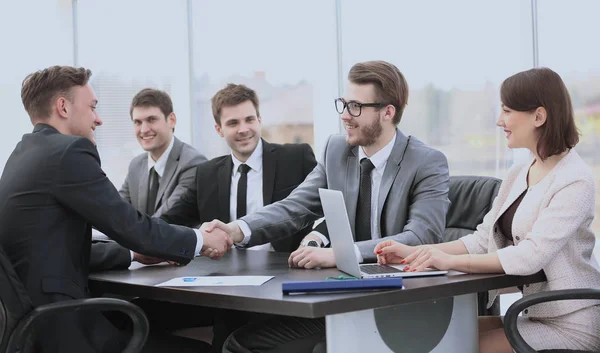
(395,187)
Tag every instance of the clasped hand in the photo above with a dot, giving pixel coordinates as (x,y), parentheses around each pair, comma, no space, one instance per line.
(219,238)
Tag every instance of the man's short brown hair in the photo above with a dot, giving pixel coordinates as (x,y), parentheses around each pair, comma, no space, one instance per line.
(40,88)
(232,95)
(390,85)
(150,97)
(541,87)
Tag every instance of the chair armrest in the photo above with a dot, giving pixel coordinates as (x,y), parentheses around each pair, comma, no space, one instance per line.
(510,320)
(140,322)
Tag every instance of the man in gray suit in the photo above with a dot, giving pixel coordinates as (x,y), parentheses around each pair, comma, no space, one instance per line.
(156,178)
(168,160)
(395,187)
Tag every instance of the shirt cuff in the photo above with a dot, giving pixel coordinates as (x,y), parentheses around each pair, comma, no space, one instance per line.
(247,232)
(322,237)
(131,253)
(199,241)
(359,257)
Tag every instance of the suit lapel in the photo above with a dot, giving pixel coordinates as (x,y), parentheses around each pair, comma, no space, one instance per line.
(392,168)
(143,186)
(170,168)
(352,181)
(224,187)
(269,165)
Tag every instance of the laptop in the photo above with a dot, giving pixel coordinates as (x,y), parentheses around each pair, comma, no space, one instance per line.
(342,242)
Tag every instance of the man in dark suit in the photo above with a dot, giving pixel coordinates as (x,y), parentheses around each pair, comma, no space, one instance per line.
(224,191)
(53,191)
(266,172)
(157,178)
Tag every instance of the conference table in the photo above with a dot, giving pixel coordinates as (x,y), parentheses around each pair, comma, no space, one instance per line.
(430,314)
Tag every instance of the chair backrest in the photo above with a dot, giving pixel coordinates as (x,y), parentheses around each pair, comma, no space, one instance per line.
(471,199)
(14,300)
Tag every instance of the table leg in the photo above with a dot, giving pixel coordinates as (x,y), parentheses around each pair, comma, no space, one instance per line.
(446,325)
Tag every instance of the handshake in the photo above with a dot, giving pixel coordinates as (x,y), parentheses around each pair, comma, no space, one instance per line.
(219,237)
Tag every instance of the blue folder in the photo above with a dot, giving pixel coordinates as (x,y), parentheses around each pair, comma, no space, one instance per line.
(341,285)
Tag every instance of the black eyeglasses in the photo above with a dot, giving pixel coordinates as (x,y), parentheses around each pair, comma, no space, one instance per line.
(354,108)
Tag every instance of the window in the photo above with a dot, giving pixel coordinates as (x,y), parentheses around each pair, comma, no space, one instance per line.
(285,51)
(567,33)
(130,45)
(25,49)
(454,66)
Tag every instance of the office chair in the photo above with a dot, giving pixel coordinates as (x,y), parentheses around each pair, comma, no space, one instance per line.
(17,314)
(510,320)
(471,199)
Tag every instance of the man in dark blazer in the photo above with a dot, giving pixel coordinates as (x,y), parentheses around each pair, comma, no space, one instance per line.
(274,170)
(394,187)
(53,191)
(157,178)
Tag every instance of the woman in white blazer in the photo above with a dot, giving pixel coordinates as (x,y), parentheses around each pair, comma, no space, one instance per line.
(540,220)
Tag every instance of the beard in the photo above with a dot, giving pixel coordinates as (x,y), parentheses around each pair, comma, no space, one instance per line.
(368,134)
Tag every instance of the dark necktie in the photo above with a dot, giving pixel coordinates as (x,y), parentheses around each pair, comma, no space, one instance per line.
(152,191)
(363,209)
(242,190)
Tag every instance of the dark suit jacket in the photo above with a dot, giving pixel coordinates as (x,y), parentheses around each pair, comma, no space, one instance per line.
(284,168)
(180,173)
(53,191)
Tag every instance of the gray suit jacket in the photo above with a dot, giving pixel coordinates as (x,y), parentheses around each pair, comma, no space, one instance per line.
(413,197)
(179,175)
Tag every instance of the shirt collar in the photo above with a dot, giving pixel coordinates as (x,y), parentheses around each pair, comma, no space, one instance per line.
(161,163)
(254,161)
(380,158)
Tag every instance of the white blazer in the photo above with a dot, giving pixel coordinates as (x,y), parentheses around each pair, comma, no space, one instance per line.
(551,232)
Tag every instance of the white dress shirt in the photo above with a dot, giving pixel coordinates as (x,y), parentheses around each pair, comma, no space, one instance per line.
(254,196)
(161,163)
(379,160)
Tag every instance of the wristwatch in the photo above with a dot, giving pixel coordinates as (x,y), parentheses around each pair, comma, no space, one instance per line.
(310,242)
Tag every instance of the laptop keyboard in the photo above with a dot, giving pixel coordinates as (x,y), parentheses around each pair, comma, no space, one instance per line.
(375,269)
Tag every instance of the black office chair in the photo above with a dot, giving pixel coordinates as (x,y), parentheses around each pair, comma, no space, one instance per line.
(510,320)
(471,199)
(17,314)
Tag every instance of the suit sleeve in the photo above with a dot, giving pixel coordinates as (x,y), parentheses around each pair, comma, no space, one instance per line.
(429,204)
(83,187)
(108,256)
(187,178)
(310,162)
(569,214)
(292,214)
(322,227)
(184,211)
(124,191)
